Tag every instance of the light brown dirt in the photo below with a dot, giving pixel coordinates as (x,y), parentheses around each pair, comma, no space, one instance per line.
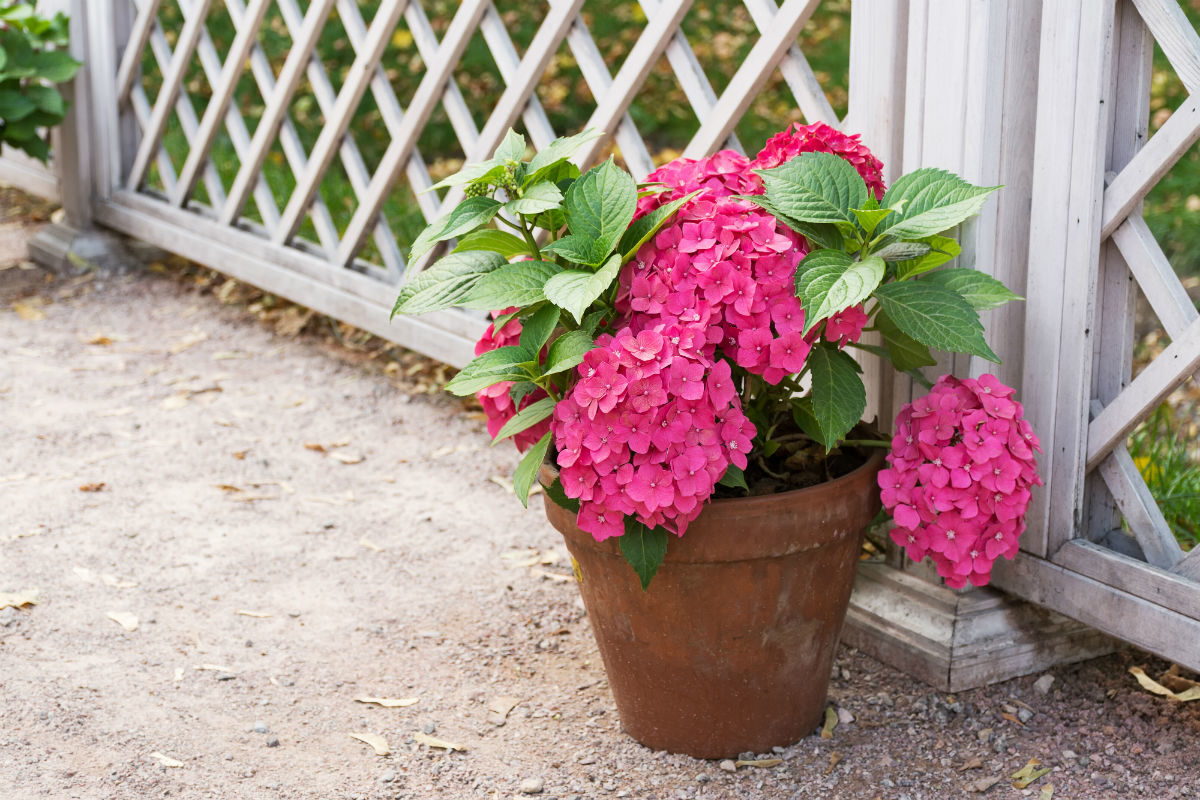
(386,577)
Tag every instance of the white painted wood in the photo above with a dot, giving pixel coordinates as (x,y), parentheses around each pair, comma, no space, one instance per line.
(1164,374)
(754,71)
(508,61)
(131,61)
(1189,567)
(809,94)
(1149,166)
(1155,275)
(276,107)
(141,112)
(1139,508)
(1159,586)
(452,99)
(1175,35)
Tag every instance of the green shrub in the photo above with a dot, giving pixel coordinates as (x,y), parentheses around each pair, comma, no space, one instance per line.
(31,63)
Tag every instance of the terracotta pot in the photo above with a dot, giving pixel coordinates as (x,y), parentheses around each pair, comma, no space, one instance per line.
(731,647)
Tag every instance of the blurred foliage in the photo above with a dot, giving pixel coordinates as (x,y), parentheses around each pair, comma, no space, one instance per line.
(33,58)
(1165,451)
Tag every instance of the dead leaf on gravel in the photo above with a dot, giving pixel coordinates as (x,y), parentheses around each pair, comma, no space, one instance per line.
(433,741)
(834,760)
(379,744)
(14,536)
(213,668)
(115,582)
(178,674)
(125,619)
(92,487)
(1151,685)
(84,574)
(25,597)
(13,477)
(284,486)
(240,455)
(227,487)
(191,340)
(367,543)
(29,311)
(292,320)
(981,785)
(175,401)
(1047,792)
(166,761)
(554,576)
(256,614)
(334,500)
(229,355)
(831,721)
(1028,774)
(974,763)
(389,702)
(99,339)
(500,707)
(1173,680)
(347,459)
(522,558)
(758,762)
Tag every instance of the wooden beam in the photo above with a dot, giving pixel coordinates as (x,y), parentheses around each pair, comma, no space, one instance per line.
(1140,509)
(1155,275)
(1176,36)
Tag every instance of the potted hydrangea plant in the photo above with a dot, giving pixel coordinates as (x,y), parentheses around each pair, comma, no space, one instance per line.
(674,360)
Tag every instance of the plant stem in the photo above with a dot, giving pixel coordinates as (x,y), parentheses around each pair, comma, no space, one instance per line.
(529,240)
(866,443)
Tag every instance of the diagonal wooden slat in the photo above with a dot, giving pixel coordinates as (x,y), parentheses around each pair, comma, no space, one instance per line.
(751,75)
(397,154)
(1175,35)
(131,60)
(1150,164)
(338,120)
(222,99)
(1164,374)
(1189,567)
(541,133)
(141,113)
(189,37)
(796,71)
(455,106)
(276,108)
(1155,275)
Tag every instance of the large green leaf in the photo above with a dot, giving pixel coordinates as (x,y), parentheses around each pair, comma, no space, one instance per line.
(518,284)
(600,205)
(829,281)
(905,352)
(815,187)
(734,478)
(509,363)
(578,249)
(806,420)
(46,98)
(14,105)
(55,66)
(512,148)
(492,169)
(644,548)
(526,418)
(556,494)
(819,235)
(537,198)
(903,251)
(644,227)
(929,201)
(464,218)
(527,470)
(982,291)
(869,218)
(575,290)
(446,283)
(496,241)
(838,395)
(537,328)
(567,351)
(935,316)
(560,149)
(941,250)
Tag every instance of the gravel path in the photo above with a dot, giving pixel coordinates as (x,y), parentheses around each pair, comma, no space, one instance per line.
(292,527)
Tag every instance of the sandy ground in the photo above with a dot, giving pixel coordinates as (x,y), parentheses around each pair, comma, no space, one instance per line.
(160,463)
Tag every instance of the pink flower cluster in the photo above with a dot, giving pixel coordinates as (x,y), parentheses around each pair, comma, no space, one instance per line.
(820,138)
(497,403)
(959,477)
(648,430)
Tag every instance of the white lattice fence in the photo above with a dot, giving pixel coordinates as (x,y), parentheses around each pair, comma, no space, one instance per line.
(207,156)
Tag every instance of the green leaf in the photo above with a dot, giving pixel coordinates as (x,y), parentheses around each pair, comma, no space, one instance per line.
(869,218)
(806,420)
(905,352)
(536,329)
(464,218)
(560,149)
(829,281)
(518,284)
(930,201)
(493,240)
(527,470)
(644,548)
(643,228)
(14,105)
(446,283)
(463,385)
(552,220)
(512,148)
(982,291)
(526,418)
(567,351)
(502,364)
(17,12)
(942,249)
(555,492)
(520,390)
(577,249)
(472,172)
(600,205)
(815,187)
(902,251)
(936,317)
(537,198)
(838,395)
(55,66)
(47,99)
(575,290)
(734,478)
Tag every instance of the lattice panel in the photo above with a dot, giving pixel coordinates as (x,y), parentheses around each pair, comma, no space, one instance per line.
(1136,253)
(242,115)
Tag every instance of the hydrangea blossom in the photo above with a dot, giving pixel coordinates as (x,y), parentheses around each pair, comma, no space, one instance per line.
(648,430)
(497,402)
(821,138)
(959,477)
(724,174)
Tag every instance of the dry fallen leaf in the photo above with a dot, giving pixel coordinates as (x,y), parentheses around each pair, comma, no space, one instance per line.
(1151,685)
(347,459)
(228,355)
(84,574)
(433,741)
(99,339)
(178,674)
(388,702)
(213,668)
(834,760)
(1028,774)
(92,487)
(1047,792)
(240,455)
(166,761)
(831,721)
(377,742)
(345,498)
(974,763)
(554,576)
(499,708)
(123,618)
(367,543)
(112,580)
(192,339)
(29,312)
(1173,680)
(981,785)
(758,762)
(175,401)
(256,614)
(25,597)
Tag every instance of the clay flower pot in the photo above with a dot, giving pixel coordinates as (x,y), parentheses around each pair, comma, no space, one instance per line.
(731,647)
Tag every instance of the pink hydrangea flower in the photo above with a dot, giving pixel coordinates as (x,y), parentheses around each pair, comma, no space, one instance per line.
(959,477)
(496,400)
(820,138)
